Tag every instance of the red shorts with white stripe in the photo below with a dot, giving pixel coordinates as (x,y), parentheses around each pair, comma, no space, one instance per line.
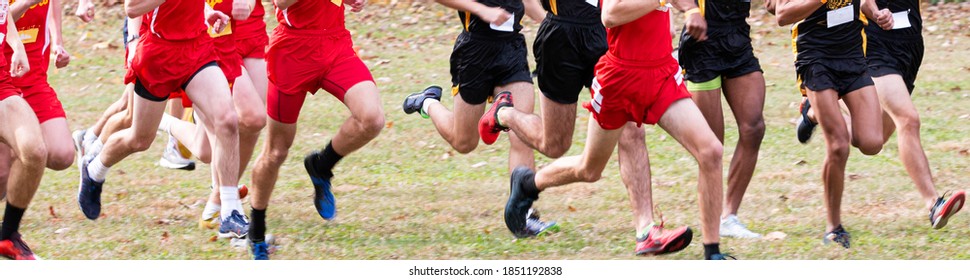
(303,61)
(634,92)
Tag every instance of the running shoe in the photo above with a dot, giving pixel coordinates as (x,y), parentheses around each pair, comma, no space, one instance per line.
(210,222)
(323,198)
(78,137)
(945,208)
(89,192)
(721,257)
(535,227)
(488,126)
(805,126)
(234,226)
(732,227)
(189,116)
(517,208)
(839,235)
(16,249)
(415,101)
(260,250)
(172,158)
(658,241)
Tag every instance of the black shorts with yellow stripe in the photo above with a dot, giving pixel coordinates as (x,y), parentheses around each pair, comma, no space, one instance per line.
(566,51)
(727,52)
(481,63)
(842,75)
(895,55)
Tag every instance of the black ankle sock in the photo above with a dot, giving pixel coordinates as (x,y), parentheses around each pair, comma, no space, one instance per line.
(257,227)
(11,221)
(529,187)
(711,249)
(326,160)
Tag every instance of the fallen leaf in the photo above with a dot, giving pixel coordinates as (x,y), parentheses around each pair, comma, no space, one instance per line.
(214,238)
(50,209)
(479,164)
(853,177)
(164,236)
(61,230)
(965,152)
(801,162)
(571,208)
(487,231)
(783,197)
(389,124)
(775,235)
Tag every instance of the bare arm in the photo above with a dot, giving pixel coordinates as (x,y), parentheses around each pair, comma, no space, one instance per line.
(283,4)
(792,11)
(85,10)
(136,8)
(494,15)
(619,12)
(534,10)
(62,58)
(17,9)
(18,61)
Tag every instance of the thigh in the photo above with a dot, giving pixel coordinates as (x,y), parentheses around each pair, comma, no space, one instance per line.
(685,123)
(256,68)
(863,105)
(57,136)
(746,96)
(209,92)
(363,100)
(19,129)
(245,97)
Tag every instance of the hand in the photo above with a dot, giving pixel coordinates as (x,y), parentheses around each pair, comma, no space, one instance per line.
(85,10)
(696,26)
(217,20)
(770,6)
(241,9)
(884,18)
(356,5)
(62,58)
(18,64)
(494,15)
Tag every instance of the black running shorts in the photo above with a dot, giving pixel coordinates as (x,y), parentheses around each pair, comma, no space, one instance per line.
(844,76)
(727,52)
(478,65)
(888,55)
(566,52)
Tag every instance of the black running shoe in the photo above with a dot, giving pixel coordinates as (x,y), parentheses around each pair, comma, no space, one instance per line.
(89,193)
(721,257)
(805,126)
(517,208)
(415,101)
(838,235)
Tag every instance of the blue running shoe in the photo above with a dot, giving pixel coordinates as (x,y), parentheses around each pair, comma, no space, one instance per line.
(260,250)
(721,257)
(234,226)
(323,198)
(89,193)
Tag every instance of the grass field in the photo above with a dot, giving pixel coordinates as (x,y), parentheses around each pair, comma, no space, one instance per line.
(407,195)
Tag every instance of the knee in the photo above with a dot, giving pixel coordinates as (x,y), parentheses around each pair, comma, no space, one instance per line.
(371,124)
(557,149)
(465,146)
(205,156)
(870,146)
(710,154)
(754,130)
(226,123)
(838,149)
(909,124)
(252,122)
(60,159)
(274,156)
(34,156)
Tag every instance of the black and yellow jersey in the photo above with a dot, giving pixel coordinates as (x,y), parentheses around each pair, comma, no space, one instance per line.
(815,39)
(577,9)
(721,12)
(476,25)
(911,8)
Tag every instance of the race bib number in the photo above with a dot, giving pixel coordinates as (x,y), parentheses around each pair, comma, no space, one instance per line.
(28,36)
(225,31)
(901,20)
(507,26)
(839,16)
(595,3)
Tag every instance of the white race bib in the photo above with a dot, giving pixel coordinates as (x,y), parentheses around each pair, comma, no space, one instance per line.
(595,3)
(508,26)
(901,20)
(839,16)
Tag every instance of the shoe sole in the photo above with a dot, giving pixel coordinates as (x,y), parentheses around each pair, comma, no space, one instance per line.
(230,235)
(949,209)
(552,228)
(171,165)
(675,245)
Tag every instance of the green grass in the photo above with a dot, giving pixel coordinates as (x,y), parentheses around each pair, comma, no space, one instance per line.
(407,195)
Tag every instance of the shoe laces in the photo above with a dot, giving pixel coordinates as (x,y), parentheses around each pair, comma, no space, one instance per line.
(260,250)
(21,246)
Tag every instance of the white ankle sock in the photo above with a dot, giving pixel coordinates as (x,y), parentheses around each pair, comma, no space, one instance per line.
(229,196)
(166,123)
(97,170)
(427,105)
(95,147)
(210,209)
(89,135)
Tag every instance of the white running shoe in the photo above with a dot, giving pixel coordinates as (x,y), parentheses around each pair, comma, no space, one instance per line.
(173,159)
(732,227)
